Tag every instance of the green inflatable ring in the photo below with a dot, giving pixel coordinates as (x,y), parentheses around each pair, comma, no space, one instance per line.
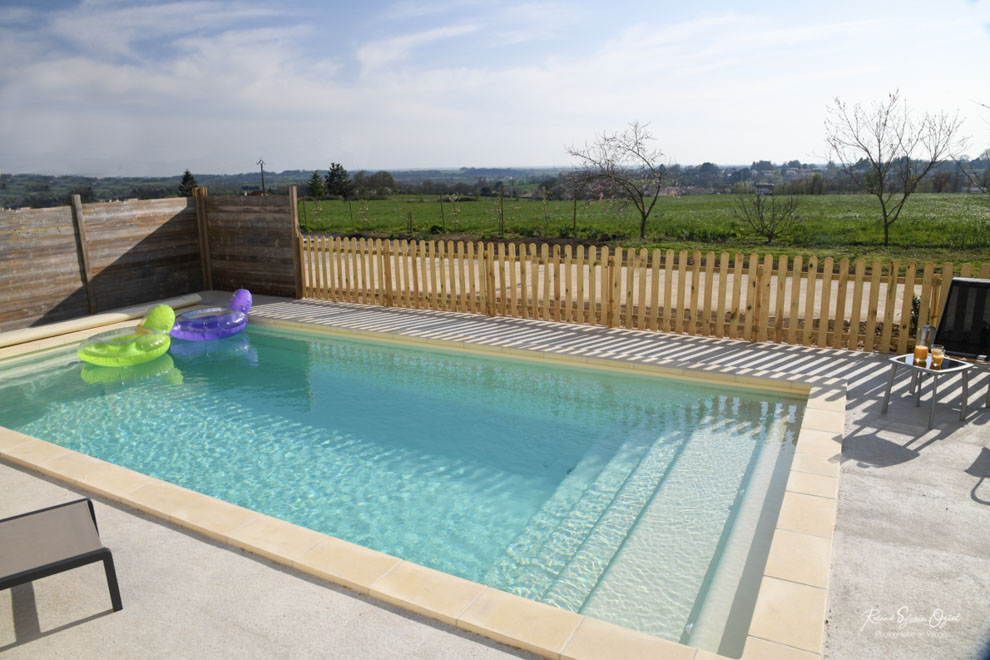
(130,346)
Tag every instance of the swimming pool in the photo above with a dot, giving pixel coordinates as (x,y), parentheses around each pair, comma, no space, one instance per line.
(630,498)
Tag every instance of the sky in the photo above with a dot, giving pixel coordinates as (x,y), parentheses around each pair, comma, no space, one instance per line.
(124,88)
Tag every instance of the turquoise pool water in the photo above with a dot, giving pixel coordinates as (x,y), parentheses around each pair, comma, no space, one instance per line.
(635,499)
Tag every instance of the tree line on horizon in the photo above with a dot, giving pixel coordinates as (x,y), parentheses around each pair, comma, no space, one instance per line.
(788,178)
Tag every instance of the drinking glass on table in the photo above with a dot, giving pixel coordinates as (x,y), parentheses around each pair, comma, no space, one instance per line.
(920,354)
(938,354)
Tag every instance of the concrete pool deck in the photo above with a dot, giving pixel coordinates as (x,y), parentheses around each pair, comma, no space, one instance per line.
(911,529)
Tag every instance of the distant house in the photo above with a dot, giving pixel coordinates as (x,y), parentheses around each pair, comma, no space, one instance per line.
(763,188)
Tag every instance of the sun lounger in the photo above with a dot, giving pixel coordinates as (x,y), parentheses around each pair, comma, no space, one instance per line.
(964,327)
(48,541)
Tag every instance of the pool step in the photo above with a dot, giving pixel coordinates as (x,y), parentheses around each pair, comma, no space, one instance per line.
(575,581)
(539,552)
(634,573)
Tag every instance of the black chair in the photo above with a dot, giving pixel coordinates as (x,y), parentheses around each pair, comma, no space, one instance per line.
(48,541)
(964,327)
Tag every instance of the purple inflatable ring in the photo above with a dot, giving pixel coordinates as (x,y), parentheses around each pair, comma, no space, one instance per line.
(214,322)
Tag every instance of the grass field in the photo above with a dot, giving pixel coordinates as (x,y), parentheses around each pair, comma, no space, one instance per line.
(936,227)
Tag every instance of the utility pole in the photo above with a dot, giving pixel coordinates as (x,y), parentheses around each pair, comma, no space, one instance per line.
(261,162)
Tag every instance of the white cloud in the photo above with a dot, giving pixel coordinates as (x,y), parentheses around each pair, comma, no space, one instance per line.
(116,27)
(376,54)
(401,11)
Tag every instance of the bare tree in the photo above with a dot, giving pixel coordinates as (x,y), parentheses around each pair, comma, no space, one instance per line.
(979,180)
(767,218)
(886,151)
(624,166)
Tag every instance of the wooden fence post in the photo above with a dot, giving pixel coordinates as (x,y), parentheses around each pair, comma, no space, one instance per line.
(759,330)
(764,316)
(82,245)
(490,278)
(778,314)
(483,277)
(609,286)
(297,238)
(840,303)
(857,306)
(387,262)
(826,302)
(616,295)
(752,294)
(199,198)
(926,298)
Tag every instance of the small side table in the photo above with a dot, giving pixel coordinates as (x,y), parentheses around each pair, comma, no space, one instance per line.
(918,372)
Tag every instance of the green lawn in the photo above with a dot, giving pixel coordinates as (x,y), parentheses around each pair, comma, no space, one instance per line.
(936,227)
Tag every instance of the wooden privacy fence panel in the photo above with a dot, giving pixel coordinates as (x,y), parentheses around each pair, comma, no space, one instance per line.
(60,263)
(250,242)
(791,300)
(40,273)
(141,250)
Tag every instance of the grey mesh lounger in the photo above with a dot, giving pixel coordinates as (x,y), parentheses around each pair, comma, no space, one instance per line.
(48,541)
(964,327)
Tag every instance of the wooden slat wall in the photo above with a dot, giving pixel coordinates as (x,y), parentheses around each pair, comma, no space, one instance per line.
(787,300)
(252,243)
(40,272)
(135,251)
(142,250)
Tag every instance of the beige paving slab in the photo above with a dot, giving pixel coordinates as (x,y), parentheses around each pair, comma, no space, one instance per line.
(803,462)
(599,640)
(761,649)
(162,497)
(828,400)
(789,613)
(799,558)
(344,563)
(813,484)
(426,591)
(822,420)
(820,443)
(34,452)
(112,481)
(74,467)
(215,518)
(535,627)
(807,514)
(11,438)
(274,538)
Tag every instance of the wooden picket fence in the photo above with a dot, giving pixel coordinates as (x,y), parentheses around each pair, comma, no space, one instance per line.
(785,300)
